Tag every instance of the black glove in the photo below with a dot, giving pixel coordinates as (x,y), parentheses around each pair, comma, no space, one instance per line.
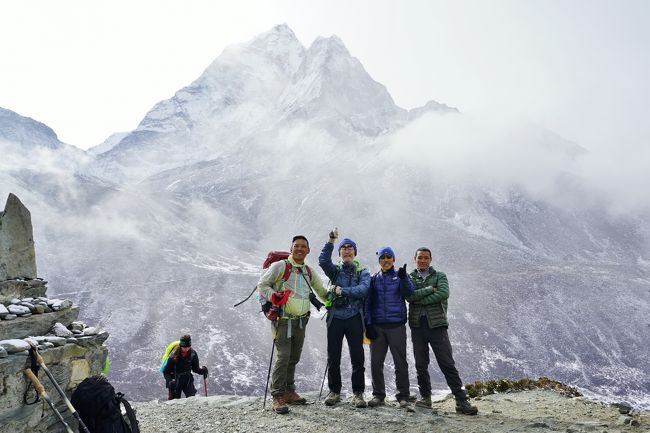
(333,235)
(401,273)
(371,332)
(205,371)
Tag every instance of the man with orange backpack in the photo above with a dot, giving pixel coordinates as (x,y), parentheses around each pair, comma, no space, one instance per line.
(292,282)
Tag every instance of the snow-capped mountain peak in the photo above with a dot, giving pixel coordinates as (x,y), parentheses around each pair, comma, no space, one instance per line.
(26,131)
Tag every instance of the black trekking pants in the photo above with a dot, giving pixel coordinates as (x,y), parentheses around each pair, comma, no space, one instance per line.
(438,339)
(393,338)
(184,384)
(352,329)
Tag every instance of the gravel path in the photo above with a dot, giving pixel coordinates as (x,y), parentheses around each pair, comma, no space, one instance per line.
(528,411)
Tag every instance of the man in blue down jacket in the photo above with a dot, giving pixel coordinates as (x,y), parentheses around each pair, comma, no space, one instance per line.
(385,315)
(350,284)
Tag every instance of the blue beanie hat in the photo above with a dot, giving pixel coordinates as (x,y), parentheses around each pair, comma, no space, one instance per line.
(347,241)
(385,250)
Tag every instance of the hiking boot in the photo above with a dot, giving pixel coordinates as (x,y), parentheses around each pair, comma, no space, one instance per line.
(279,405)
(403,404)
(332,399)
(376,401)
(358,401)
(424,402)
(464,407)
(292,397)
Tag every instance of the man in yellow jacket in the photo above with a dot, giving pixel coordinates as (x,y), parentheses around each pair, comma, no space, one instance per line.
(293,278)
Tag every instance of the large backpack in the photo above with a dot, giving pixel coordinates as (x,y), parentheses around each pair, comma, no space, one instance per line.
(272,257)
(166,355)
(100,407)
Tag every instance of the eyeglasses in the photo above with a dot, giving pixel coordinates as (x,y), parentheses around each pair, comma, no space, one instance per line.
(385,256)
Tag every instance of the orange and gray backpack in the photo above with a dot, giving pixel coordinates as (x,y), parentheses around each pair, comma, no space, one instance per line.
(272,257)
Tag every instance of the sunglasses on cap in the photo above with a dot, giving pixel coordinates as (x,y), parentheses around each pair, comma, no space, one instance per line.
(385,256)
(347,247)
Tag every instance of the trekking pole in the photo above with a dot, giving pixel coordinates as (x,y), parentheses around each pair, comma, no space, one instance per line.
(205,386)
(268,375)
(247,297)
(40,390)
(39,360)
(323,382)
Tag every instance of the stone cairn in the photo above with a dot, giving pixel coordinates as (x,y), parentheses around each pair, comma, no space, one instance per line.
(71,350)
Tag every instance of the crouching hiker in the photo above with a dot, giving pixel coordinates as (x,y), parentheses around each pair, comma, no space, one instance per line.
(428,322)
(293,279)
(385,317)
(182,361)
(350,283)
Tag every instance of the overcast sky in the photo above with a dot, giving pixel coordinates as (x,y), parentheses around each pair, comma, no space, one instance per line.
(581,68)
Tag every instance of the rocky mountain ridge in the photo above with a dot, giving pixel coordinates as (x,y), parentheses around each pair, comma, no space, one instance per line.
(168,228)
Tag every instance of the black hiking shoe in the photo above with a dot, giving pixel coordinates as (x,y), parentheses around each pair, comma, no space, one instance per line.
(464,407)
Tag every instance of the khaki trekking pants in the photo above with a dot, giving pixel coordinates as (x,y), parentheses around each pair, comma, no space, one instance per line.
(289,338)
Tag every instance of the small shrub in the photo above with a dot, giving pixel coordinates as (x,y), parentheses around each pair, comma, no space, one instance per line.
(480,389)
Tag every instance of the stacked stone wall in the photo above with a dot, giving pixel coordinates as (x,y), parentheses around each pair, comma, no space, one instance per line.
(71,350)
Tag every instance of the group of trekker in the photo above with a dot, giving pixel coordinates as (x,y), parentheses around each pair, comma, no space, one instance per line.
(359,303)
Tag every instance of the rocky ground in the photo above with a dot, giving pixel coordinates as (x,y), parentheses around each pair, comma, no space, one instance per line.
(527,411)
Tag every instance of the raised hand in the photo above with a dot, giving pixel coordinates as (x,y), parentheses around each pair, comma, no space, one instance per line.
(334,235)
(401,273)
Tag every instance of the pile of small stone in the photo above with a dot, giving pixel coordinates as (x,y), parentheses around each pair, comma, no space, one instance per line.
(59,335)
(76,330)
(27,306)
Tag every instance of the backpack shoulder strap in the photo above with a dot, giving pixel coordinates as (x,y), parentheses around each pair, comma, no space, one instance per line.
(287,270)
(288,267)
(359,272)
(130,414)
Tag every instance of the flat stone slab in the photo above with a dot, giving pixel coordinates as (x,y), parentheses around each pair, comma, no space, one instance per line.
(60,304)
(60,330)
(14,345)
(18,310)
(91,330)
(39,324)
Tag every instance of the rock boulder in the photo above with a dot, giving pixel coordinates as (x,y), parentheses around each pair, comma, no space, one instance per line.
(17,254)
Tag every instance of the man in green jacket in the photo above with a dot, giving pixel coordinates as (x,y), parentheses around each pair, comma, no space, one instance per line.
(428,322)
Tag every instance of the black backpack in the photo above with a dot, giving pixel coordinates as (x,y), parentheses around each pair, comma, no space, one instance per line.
(99,407)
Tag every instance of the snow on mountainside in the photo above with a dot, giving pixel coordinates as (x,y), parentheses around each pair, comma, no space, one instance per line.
(26,131)
(164,232)
(108,144)
(251,89)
